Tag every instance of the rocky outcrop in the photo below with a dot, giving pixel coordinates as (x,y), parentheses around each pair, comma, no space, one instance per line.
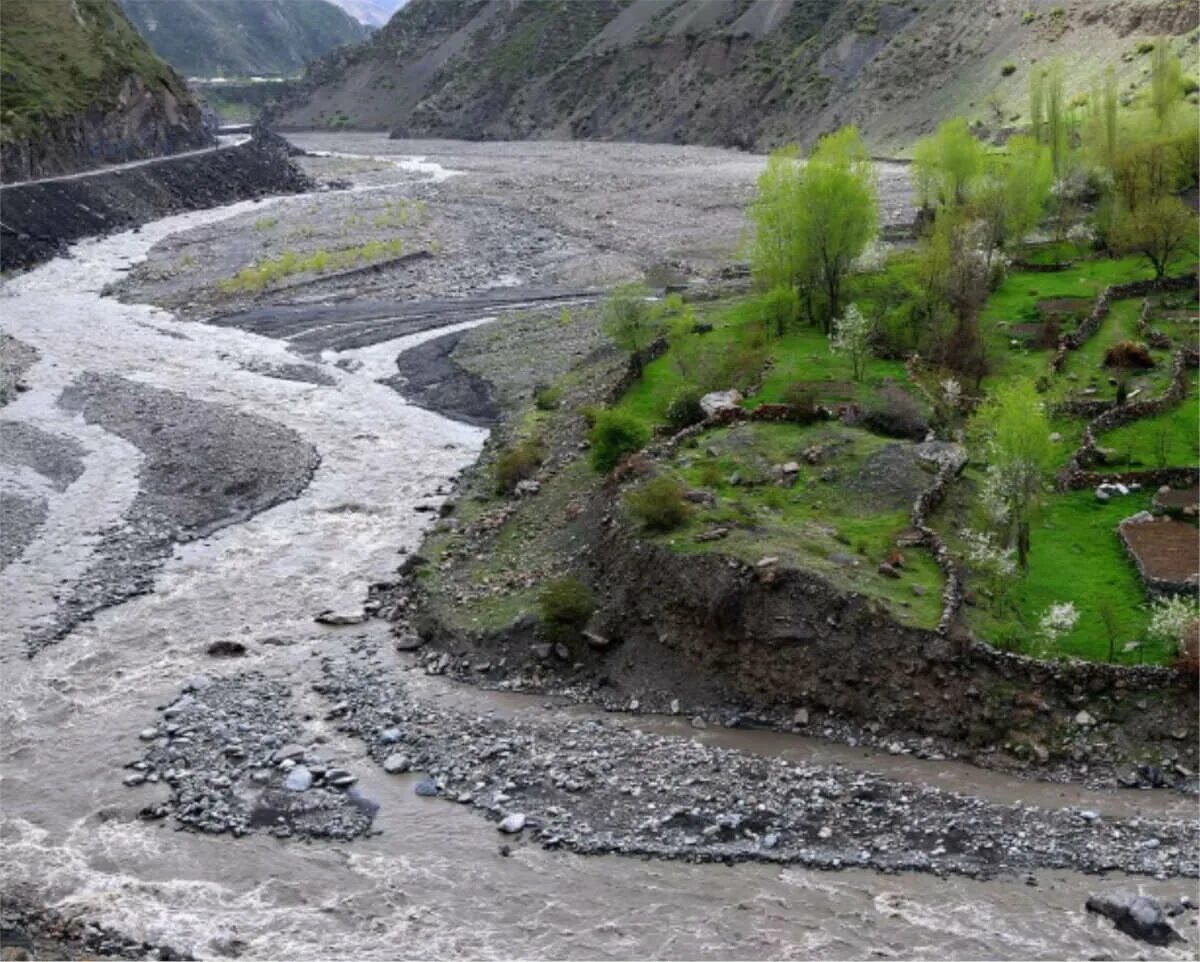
(1138,916)
(37,220)
(142,123)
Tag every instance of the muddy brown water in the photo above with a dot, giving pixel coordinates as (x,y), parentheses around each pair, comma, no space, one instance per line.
(432,882)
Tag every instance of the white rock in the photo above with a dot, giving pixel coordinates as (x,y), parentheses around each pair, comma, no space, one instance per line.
(511,824)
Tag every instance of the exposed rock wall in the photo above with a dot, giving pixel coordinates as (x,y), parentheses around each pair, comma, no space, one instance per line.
(37,220)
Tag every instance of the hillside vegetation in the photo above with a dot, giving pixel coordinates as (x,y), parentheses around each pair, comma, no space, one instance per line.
(242,38)
(81,87)
(686,70)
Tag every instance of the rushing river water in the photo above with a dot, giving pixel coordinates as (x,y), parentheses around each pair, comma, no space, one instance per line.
(431,882)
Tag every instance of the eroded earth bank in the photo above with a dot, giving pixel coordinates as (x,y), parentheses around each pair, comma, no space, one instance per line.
(211,478)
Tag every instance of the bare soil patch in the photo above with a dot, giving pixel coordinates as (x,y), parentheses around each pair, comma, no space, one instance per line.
(1165,550)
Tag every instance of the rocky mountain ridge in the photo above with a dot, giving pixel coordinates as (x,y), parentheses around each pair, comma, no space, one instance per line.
(242,38)
(82,89)
(688,71)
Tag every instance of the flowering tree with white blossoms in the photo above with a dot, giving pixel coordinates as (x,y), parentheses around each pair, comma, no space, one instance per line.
(851,335)
(1013,427)
(1056,621)
(1171,618)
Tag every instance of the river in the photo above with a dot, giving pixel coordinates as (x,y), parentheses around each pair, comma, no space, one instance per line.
(431,882)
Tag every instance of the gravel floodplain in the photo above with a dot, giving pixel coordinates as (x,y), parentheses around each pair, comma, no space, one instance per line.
(259,594)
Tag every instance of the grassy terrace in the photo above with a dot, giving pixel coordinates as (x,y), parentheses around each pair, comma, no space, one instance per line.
(830,522)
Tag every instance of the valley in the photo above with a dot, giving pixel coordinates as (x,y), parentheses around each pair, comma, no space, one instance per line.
(212,431)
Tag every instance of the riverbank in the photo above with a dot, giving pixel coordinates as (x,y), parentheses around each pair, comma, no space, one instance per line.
(262,620)
(41,218)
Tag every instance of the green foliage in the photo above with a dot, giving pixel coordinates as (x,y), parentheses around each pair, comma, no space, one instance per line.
(946,164)
(1049,121)
(1158,229)
(1008,69)
(1012,427)
(659,504)
(1010,198)
(61,58)
(615,435)
(629,322)
(517,463)
(566,604)
(259,276)
(684,409)
(812,221)
(1166,81)
(547,397)
(781,309)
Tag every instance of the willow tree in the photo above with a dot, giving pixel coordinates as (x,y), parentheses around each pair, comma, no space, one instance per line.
(779,256)
(839,213)
(946,164)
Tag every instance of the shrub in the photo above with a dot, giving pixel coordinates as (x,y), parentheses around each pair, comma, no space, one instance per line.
(897,415)
(566,605)
(684,409)
(615,435)
(1008,69)
(1128,354)
(517,464)
(658,504)
(547,397)
(802,399)
(780,309)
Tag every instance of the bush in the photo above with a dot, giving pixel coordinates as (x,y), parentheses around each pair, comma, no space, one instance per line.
(1128,354)
(658,504)
(546,397)
(802,399)
(566,605)
(684,409)
(1008,69)
(897,415)
(517,464)
(615,435)
(780,308)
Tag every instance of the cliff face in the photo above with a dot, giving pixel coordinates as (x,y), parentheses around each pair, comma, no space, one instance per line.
(242,38)
(728,72)
(82,89)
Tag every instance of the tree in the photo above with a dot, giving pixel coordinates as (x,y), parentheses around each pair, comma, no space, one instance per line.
(839,212)
(628,320)
(1012,195)
(1157,229)
(1015,433)
(1166,81)
(852,336)
(946,164)
(778,253)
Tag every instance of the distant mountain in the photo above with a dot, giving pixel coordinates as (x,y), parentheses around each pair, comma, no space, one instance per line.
(374,13)
(79,88)
(750,73)
(242,38)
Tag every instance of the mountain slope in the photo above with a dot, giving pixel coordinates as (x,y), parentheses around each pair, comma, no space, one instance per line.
(241,38)
(373,13)
(79,87)
(732,72)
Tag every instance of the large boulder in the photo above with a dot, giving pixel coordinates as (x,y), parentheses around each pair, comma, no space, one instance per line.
(1138,916)
(718,402)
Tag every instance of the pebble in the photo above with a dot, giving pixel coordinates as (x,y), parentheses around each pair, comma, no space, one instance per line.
(426,788)
(511,824)
(396,763)
(299,779)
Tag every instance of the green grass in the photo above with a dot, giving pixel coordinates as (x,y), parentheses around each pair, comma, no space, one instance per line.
(1085,366)
(1169,440)
(814,524)
(1077,556)
(258,276)
(60,58)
